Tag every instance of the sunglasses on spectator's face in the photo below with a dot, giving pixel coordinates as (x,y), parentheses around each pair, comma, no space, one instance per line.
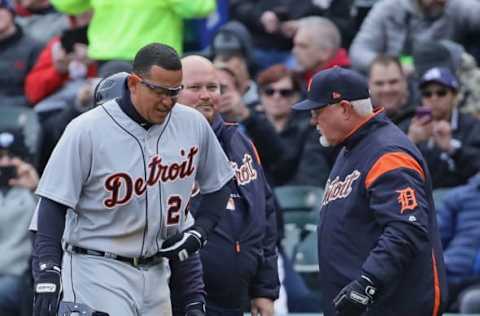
(283,92)
(160,90)
(439,93)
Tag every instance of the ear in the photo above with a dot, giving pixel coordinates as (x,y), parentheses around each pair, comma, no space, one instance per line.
(132,83)
(347,108)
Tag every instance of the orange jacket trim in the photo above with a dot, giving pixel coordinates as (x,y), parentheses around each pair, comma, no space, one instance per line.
(391,161)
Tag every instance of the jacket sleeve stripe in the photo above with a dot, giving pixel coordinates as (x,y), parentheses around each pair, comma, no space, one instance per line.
(256,153)
(436,302)
(392,161)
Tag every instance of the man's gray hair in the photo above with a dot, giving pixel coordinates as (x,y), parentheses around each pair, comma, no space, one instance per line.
(326,33)
(362,107)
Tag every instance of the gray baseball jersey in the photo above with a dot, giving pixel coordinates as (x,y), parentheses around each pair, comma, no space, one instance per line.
(128,188)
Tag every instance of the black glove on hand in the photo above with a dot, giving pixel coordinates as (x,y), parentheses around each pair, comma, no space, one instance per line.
(48,290)
(182,245)
(354,298)
(195,309)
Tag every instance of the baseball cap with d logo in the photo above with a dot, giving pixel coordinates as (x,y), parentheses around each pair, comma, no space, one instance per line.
(333,85)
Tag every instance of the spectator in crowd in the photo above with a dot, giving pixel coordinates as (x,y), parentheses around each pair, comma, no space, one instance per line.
(63,60)
(74,105)
(40,20)
(446,53)
(18,180)
(136,24)
(317,46)
(232,46)
(287,143)
(18,53)
(449,140)
(245,238)
(389,89)
(273,23)
(393,27)
(459,222)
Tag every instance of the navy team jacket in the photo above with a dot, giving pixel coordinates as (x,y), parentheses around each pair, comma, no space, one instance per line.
(240,257)
(378,218)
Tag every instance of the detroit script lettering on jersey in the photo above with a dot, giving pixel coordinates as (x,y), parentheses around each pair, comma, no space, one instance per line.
(338,189)
(157,171)
(246,172)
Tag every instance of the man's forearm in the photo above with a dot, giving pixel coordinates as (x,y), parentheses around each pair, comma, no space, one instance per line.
(51,224)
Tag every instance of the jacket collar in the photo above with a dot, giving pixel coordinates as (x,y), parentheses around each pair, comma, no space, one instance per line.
(377,119)
(127,106)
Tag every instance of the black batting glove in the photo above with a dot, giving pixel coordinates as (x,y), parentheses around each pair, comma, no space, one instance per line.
(182,245)
(48,290)
(195,309)
(354,298)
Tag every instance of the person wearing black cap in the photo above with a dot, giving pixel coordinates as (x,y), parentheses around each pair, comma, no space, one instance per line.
(379,250)
(449,140)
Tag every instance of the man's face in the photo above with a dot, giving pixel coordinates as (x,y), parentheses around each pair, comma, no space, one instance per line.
(331,123)
(277,98)
(230,93)
(148,96)
(388,87)
(440,99)
(306,52)
(238,66)
(201,88)
(6,20)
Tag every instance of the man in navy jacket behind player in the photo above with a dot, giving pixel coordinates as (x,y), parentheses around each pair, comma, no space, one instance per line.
(378,242)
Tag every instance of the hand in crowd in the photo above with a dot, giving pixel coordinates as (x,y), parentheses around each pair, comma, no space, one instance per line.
(27,176)
(74,64)
(420,129)
(270,21)
(442,135)
(232,106)
(60,58)
(261,306)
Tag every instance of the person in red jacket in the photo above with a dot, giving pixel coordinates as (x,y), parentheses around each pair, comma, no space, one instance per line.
(63,59)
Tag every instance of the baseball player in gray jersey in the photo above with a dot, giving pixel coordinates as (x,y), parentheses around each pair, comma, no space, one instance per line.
(117,188)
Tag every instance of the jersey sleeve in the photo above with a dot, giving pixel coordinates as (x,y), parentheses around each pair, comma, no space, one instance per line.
(68,167)
(214,169)
(398,198)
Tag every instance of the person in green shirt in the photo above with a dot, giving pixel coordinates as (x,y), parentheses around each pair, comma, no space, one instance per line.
(119,28)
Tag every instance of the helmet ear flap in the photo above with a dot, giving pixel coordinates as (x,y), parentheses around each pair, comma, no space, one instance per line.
(110,88)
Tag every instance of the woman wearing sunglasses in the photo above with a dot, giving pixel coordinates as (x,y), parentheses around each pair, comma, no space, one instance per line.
(448,139)
(288,144)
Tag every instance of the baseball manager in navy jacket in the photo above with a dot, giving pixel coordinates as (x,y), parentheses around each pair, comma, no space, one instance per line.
(240,259)
(378,243)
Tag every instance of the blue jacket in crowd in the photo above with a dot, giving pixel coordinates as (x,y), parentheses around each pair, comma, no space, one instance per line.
(459,224)
(240,257)
(378,219)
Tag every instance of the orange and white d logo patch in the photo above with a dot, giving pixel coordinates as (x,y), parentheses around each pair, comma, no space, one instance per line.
(407,199)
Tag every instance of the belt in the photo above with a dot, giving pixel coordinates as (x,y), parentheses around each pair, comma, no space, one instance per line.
(135,261)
